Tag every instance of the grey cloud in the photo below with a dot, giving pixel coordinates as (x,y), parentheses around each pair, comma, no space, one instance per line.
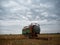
(50,11)
(53,10)
(36,7)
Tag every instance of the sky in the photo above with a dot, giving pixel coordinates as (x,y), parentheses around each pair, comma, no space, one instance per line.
(15,14)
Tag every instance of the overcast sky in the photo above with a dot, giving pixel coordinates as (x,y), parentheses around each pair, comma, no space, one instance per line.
(15,14)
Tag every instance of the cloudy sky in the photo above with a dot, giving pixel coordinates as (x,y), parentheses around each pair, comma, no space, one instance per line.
(15,14)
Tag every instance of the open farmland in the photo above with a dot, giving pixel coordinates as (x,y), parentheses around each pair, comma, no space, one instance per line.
(45,39)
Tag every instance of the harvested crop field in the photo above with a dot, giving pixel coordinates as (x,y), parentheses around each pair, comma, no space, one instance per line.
(44,39)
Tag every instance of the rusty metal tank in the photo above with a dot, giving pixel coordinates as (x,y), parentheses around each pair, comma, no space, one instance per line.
(31,30)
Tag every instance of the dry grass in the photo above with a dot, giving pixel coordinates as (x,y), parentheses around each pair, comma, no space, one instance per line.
(53,39)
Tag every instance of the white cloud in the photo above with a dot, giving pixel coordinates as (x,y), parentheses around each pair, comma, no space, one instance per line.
(35,6)
(46,5)
(15,22)
(16,15)
(24,18)
(10,4)
(53,15)
(29,1)
(29,13)
(14,6)
(21,1)
(0,10)
(29,16)
(15,26)
(10,22)
(37,18)
(45,14)
(37,10)
(43,21)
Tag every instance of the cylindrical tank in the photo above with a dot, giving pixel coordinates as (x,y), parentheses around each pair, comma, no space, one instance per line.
(36,29)
(31,30)
(26,30)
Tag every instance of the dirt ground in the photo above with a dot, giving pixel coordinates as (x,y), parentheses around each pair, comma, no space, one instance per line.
(45,39)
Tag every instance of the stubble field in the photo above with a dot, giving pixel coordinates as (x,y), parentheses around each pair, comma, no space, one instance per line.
(18,39)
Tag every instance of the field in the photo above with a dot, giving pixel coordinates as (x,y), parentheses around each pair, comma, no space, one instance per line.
(16,39)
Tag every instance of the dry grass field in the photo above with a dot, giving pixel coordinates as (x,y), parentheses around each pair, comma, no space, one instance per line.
(53,39)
